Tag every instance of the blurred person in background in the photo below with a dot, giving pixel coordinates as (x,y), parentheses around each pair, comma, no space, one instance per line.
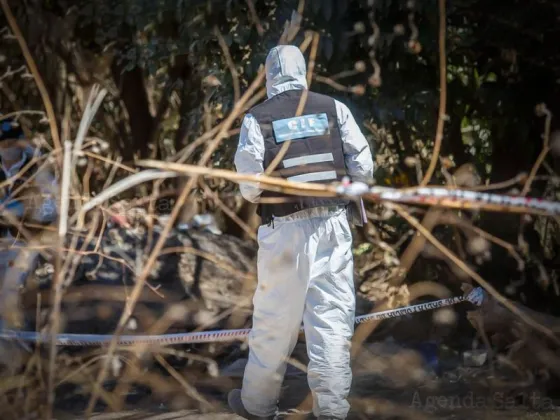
(305,263)
(26,196)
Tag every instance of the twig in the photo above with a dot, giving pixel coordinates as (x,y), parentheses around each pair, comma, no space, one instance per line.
(94,102)
(188,150)
(214,144)
(331,190)
(9,73)
(77,252)
(123,185)
(112,173)
(442,96)
(546,147)
(292,27)
(58,275)
(12,220)
(312,57)
(11,96)
(230,63)
(500,185)
(22,112)
(36,75)
(413,27)
(375,79)
(66,120)
(475,276)
(32,163)
(486,341)
(306,41)
(296,188)
(255,17)
(79,369)
(416,246)
(229,212)
(259,96)
(93,293)
(160,325)
(151,215)
(452,218)
(188,356)
(344,74)
(332,83)
(207,256)
(189,389)
(301,7)
(118,163)
(180,156)
(65,190)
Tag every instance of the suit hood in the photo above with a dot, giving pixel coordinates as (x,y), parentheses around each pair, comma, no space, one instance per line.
(285,70)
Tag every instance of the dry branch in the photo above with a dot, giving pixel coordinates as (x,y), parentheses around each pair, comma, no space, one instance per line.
(230,64)
(475,276)
(59,274)
(140,282)
(541,109)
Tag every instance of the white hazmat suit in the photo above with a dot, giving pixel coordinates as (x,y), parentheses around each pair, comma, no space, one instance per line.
(305,269)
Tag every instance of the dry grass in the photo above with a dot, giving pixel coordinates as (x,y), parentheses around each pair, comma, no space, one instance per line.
(30,391)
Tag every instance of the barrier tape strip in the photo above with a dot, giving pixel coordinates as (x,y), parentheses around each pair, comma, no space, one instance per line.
(452,198)
(476,296)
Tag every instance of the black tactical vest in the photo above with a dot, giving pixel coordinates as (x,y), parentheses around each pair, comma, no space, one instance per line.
(314,155)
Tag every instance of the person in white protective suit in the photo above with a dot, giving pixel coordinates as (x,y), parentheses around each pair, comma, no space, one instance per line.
(305,264)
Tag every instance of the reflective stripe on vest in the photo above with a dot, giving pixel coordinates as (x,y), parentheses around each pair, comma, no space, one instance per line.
(313,176)
(306,160)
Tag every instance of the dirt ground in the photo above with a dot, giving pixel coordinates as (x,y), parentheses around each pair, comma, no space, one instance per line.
(389,404)
(389,383)
(462,414)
